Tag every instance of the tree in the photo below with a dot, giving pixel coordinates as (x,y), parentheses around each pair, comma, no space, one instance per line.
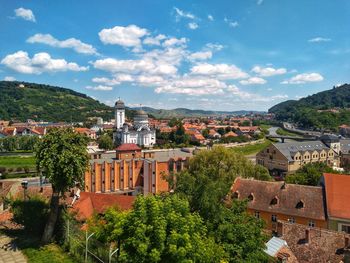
(105,142)
(158,229)
(206,185)
(62,155)
(309,174)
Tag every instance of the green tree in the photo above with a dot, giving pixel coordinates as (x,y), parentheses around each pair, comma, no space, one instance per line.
(309,174)
(105,142)
(173,122)
(158,229)
(205,133)
(62,155)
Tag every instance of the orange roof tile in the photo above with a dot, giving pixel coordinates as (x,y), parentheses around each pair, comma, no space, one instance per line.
(337,195)
(128,147)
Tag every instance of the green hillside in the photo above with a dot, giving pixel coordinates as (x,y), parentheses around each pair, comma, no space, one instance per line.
(314,111)
(48,103)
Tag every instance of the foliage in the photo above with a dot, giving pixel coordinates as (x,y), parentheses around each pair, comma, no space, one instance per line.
(309,174)
(17,161)
(105,142)
(62,156)
(158,229)
(31,213)
(16,143)
(179,136)
(284,132)
(50,253)
(251,149)
(311,112)
(206,184)
(232,139)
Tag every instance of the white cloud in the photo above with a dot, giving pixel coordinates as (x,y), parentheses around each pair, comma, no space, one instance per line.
(319,39)
(268,71)
(279,97)
(269,89)
(233,24)
(259,2)
(202,55)
(154,40)
(9,78)
(253,81)
(39,63)
(304,78)
(193,25)
(72,43)
(26,14)
(210,17)
(214,46)
(134,66)
(100,87)
(193,86)
(129,36)
(180,13)
(221,71)
(174,42)
(106,81)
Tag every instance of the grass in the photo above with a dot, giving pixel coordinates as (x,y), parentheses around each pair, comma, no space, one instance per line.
(284,132)
(17,161)
(251,148)
(50,253)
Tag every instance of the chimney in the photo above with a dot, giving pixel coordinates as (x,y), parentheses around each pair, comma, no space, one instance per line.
(307,236)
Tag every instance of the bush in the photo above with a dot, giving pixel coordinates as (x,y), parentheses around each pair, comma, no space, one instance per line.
(2,170)
(32,214)
(19,169)
(26,169)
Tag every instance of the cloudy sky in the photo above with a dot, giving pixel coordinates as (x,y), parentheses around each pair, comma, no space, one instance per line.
(219,55)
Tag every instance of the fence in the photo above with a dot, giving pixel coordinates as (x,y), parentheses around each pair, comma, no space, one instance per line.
(85,247)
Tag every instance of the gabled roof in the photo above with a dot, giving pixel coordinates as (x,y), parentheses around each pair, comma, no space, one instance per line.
(90,203)
(230,134)
(337,188)
(288,195)
(126,147)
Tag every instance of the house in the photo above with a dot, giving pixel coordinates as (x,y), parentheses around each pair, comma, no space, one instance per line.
(283,158)
(9,131)
(273,201)
(230,134)
(198,137)
(89,133)
(337,190)
(90,203)
(313,244)
(344,130)
(278,249)
(214,134)
(132,170)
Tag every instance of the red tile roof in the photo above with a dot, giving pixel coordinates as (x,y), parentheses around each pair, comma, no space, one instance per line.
(90,203)
(337,195)
(125,147)
(230,134)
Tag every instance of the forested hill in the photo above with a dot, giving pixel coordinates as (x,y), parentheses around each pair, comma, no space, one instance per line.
(327,109)
(48,103)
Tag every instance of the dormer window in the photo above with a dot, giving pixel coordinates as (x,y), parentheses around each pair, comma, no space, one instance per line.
(300,205)
(274,201)
(251,197)
(235,195)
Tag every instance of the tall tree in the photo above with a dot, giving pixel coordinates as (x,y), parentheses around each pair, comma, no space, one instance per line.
(62,155)
(105,142)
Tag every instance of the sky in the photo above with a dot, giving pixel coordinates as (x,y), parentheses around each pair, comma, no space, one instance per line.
(212,55)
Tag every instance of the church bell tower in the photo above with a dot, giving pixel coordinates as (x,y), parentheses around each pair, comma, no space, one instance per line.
(119,114)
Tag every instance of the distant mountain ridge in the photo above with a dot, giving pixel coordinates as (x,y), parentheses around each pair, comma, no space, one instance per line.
(183,112)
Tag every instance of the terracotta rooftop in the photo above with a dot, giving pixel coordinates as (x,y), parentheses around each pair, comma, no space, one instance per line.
(314,244)
(289,198)
(230,134)
(337,195)
(128,147)
(90,203)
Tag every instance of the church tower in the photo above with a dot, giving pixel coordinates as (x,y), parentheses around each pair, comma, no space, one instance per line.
(119,114)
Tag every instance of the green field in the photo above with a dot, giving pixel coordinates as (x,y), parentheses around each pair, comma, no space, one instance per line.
(17,161)
(284,132)
(252,148)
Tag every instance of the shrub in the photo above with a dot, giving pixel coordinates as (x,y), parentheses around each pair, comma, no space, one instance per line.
(19,169)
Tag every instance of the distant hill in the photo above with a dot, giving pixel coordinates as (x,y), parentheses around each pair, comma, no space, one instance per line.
(183,112)
(22,100)
(324,110)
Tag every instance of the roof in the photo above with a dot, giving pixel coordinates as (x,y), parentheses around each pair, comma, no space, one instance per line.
(90,203)
(141,113)
(337,195)
(119,104)
(329,138)
(345,146)
(323,245)
(274,245)
(288,196)
(128,147)
(288,148)
(230,134)
(197,137)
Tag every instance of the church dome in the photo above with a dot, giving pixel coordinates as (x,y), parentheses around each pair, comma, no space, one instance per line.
(119,104)
(141,113)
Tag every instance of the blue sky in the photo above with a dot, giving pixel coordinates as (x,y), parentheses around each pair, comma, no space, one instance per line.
(215,55)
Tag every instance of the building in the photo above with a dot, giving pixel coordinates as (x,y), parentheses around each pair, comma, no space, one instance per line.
(283,158)
(132,170)
(338,206)
(314,244)
(278,249)
(273,201)
(139,133)
(86,131)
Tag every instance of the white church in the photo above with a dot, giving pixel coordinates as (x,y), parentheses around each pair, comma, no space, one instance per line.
(139,133)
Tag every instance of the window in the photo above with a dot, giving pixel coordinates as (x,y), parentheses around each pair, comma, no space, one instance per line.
(274,201)
(300,205)
(251,197)
(345,228)
(291,220)
(257,214)
(274,218)
(311,223)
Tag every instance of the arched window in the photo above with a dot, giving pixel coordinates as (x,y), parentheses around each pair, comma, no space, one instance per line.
(300,205)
